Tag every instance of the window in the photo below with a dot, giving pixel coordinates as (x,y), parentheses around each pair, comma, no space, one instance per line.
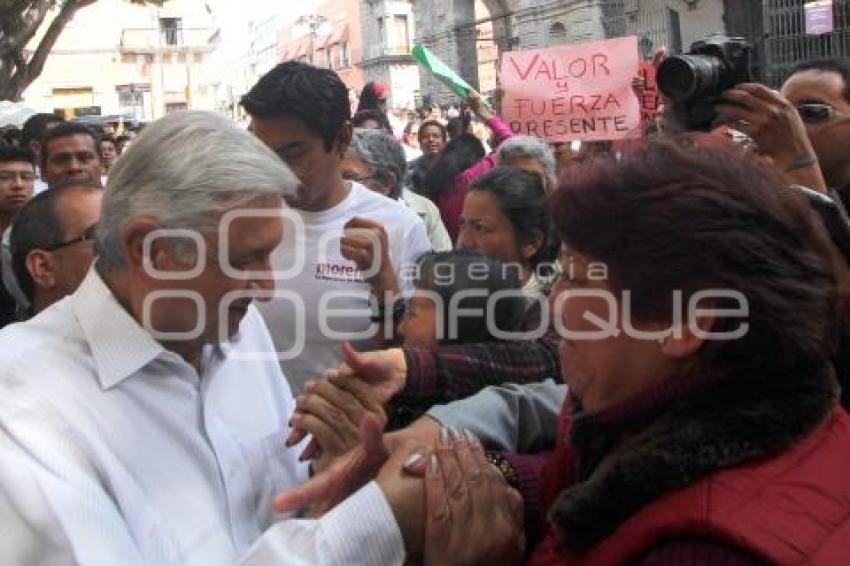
(399,41)
(557,34)
(171,30)
(181,58)
(382,32)
(130,98)
(198,58)
(344,61)
(166,58)
(675,31)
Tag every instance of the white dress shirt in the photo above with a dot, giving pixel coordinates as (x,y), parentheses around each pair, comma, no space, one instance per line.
(114,450)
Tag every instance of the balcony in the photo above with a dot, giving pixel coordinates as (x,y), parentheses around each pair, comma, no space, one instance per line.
(395,52)
(153,40)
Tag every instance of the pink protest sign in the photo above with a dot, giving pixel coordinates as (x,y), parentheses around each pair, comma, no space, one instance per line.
(573,92)
(649,98)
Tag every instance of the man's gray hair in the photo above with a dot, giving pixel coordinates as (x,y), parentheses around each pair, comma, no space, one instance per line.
(529,146)
(381,153)
(185,171)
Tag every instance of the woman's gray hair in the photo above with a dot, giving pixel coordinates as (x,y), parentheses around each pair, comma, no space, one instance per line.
(529,146)
(381,153)
(185,171)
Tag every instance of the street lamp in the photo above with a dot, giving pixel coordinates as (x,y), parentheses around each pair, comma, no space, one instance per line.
(314,22)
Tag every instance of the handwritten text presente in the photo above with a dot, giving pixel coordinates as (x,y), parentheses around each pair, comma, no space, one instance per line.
(573,92)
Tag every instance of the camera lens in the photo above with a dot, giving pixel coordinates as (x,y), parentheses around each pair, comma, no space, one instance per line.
(684,77)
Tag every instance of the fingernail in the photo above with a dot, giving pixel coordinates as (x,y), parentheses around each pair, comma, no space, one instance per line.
(435,464)
(445,437)
(471,438)
(309,385)
(456,434)
(412,461)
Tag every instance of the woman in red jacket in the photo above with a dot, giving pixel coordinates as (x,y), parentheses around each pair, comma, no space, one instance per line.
(698,313)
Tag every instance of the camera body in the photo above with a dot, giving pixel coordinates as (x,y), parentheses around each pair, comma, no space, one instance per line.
(695,81)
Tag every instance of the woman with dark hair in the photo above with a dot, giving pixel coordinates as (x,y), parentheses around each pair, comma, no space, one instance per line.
(440,277)
(459,297)
(432,138)
(448,180)
(374,97)
(698,311)
(505,215)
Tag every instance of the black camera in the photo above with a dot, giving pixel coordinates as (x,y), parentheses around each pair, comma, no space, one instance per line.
(695,81)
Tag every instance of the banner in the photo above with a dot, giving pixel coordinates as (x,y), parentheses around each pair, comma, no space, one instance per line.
(573,92)
(435,65)
(819,17)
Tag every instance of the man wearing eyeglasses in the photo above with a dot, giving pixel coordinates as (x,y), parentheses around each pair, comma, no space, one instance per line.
(820,90)
(51,242)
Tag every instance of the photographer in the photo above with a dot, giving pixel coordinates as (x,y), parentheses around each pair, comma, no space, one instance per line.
(712,86)
(801,130)
(820,90)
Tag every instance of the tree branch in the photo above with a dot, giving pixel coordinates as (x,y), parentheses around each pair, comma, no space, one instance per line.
(65,15)
(30,21)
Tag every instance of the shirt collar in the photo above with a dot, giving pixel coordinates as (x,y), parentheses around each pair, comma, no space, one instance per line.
(119,345)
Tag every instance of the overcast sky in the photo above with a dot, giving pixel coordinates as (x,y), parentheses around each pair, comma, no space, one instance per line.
(232,16)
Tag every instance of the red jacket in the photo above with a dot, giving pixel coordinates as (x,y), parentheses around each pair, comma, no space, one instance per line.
(793,508)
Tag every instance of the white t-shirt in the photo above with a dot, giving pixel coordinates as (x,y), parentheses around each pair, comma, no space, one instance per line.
(325,300)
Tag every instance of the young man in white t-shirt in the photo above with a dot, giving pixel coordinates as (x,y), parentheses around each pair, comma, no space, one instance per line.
(343,243)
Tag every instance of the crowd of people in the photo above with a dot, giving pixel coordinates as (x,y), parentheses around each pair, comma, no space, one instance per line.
(332,339)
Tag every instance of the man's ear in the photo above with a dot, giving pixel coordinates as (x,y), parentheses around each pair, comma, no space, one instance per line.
(391,183)
(343,138)
(40,266)
(139,260)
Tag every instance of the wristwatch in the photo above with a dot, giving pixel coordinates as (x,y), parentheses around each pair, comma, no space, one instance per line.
(379,311)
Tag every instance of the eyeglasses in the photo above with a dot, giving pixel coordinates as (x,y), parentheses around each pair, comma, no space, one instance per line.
(87,236)
(355,178)
(815,113)
(26,176)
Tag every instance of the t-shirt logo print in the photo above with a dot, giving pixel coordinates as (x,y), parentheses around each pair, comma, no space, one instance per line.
(330,271)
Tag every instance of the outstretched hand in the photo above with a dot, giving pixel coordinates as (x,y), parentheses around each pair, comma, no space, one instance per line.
(343,477)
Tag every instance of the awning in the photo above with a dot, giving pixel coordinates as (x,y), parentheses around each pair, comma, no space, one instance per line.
(14,113)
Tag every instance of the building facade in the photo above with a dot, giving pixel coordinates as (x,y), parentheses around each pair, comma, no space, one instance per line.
(786,41)
(470,36)
(388,31)
(119,59)
(330,36)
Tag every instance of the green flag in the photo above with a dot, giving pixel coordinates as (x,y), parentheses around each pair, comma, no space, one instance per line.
(440,70)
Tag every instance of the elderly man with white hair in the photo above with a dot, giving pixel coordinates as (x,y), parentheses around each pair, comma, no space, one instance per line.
(530,154)
(143,418)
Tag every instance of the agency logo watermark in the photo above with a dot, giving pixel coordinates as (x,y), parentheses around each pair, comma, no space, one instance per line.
(315,287)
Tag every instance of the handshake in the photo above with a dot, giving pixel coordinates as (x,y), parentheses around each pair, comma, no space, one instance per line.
(450,503)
